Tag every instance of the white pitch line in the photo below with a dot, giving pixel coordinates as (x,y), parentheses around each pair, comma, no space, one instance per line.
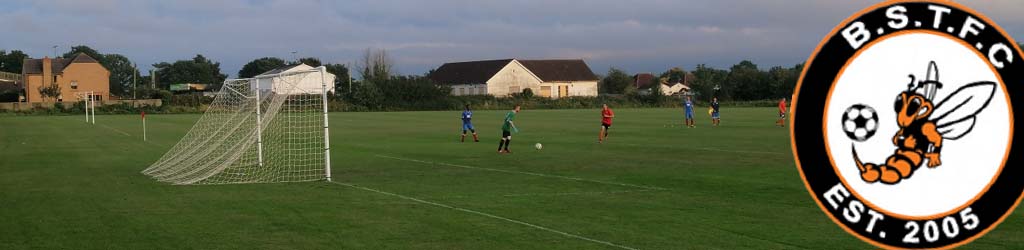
(124,133)
(116,130)
(487,215)
(706,149)
(556,194)
(525,173)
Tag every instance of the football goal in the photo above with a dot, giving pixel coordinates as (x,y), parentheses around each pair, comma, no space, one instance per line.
(270,128)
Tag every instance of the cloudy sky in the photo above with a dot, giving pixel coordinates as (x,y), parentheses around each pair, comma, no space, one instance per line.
(637,35)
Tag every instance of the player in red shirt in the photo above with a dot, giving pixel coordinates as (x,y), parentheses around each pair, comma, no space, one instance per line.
(606,123)
(782,113)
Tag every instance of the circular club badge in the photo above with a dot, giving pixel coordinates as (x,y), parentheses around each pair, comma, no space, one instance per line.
(903,125)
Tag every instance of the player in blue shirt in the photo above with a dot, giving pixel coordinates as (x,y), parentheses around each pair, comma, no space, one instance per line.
(467,124)
(688,104)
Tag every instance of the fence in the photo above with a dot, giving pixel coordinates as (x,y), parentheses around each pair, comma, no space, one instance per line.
(9,77)
(24,106)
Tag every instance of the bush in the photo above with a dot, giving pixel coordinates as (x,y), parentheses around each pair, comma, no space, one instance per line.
(526,94)
(10,95)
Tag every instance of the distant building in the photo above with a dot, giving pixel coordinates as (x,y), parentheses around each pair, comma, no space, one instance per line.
(546,78)
(75,76)
(295,84)
(11,89)
(188,87)
(675,87)
(643,80)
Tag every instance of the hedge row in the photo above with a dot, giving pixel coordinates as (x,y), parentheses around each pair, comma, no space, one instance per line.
(198,104)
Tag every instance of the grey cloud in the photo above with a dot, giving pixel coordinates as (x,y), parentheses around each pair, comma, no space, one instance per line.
(634,35)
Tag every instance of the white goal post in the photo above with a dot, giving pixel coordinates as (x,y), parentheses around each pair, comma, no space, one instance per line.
(270,128)
(89,104)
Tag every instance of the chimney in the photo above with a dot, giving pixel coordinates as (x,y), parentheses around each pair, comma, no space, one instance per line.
(47,71)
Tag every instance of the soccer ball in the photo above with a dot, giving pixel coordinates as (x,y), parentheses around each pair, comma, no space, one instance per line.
(860,122)
(538,146)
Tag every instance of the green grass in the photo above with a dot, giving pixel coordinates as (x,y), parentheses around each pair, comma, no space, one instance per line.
(65,184)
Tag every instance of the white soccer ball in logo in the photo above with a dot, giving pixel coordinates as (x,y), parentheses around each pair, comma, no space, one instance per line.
(538,146)
(860,122)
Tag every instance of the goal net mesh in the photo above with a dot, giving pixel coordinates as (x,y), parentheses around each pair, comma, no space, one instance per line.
(245,136)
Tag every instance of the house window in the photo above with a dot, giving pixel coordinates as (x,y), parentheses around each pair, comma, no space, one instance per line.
(462,91)
(563,91)
(545,91)
(74,84)
(513,90)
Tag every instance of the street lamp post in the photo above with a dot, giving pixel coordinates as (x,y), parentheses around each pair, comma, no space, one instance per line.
(135,82)
(152,75)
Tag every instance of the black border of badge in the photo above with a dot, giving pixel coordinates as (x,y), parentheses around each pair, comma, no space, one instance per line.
(808,139)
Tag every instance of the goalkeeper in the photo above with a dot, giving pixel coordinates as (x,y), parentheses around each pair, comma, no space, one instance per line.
(507,128)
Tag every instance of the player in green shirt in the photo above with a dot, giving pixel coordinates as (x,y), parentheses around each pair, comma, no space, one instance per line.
(506,130)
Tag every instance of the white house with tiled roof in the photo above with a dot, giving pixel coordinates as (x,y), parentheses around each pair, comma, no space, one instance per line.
(546,78)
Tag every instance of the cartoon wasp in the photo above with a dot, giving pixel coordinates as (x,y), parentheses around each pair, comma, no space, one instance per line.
(924,126)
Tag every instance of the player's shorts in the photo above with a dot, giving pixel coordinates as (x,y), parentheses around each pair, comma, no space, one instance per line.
(689,114)
(505,133)
(715,115)
(782,115)
(467,126)
(606,125)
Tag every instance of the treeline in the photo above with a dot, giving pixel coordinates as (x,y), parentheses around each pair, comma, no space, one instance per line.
(377,87)
(128,82)
(741,82)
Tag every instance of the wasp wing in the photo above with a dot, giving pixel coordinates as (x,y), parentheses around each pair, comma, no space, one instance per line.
(954,131)
(955,116)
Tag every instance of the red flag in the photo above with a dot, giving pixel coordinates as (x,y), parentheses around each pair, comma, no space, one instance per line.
(143,115)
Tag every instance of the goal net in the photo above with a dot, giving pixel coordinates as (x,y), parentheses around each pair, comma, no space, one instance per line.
(271,128)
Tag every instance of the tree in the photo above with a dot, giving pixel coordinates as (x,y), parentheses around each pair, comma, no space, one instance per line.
(121,72)
(367,94)
(656,96)
(412,92)
(258,66)
(527,93)
(749,82)
(341,77)
(311,61)
(616,81)
(783,80)
(706,79)
(84,49)
(675,74)
(198,70)
(11,62)
(376,66)
(51,91)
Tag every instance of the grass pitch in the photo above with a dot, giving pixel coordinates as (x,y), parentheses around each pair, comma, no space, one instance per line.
(403,181)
